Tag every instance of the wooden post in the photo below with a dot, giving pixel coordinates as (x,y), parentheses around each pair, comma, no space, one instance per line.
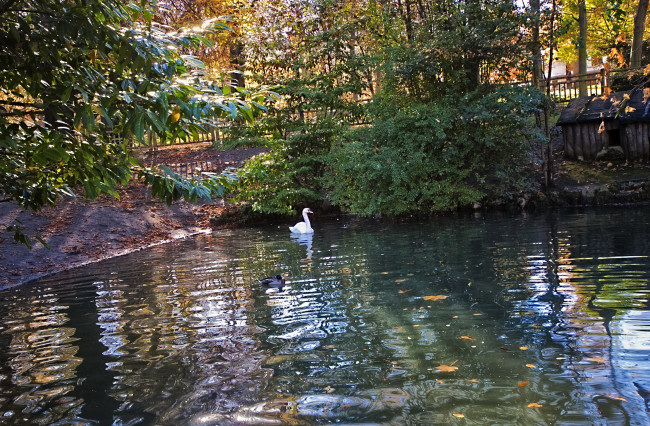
(578,142)
(644,141)
(569,141)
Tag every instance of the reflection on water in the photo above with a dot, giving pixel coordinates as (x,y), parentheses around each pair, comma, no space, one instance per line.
(534,319)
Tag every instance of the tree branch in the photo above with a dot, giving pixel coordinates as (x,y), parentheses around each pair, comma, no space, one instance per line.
(4,8)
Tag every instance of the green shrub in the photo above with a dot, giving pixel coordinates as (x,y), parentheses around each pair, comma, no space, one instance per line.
(425,158)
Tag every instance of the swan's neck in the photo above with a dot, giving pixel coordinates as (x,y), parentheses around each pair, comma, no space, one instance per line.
(306,217)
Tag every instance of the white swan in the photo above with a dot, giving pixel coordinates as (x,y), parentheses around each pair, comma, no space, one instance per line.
(303,227)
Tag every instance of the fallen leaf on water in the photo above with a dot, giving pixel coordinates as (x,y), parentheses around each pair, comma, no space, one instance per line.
(467,338)
(522,384)
(455,316)
(442,382)
(397,328)
(523,348)
(477,315)
(531,366)
(596,359)
(460,416)
(434,298)
(404,291)
(401,280)
(473,381)
(534,405)
(614,397)
(446,368)
(416,325)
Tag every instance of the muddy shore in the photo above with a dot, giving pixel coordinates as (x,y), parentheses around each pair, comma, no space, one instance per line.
(80,231)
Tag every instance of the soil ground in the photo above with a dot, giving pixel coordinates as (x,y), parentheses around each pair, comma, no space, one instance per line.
(80,231)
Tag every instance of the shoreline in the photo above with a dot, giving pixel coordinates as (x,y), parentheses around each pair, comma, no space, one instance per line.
(80,232)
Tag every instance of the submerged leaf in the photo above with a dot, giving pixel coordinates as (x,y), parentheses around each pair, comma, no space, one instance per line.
(404,291)
(446,368)
(531,366)
(434,298)
(467,338)
(534,405)
(521,384)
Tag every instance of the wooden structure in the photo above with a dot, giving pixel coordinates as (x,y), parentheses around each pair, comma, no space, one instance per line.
(591,124)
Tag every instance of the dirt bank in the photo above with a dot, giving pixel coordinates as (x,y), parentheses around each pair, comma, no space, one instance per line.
(80,231)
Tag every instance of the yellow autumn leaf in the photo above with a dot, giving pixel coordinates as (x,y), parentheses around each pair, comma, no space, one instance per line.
(473,381)
(446,368)
(467,338)
(176,115)
(601,128)
(531,366)
(534,405)
(460,416)
(523,348)
(626,96)
(629,109)
(646,94)
(434,298)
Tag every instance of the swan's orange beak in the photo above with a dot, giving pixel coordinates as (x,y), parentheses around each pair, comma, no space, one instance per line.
(309,211)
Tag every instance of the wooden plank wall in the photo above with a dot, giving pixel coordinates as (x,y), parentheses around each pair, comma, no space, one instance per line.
(582,141)
(635,141)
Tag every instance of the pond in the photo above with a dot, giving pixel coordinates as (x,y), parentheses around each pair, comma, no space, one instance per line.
(475,319)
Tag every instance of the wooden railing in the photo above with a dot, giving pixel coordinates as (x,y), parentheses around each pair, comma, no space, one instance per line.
(566,87)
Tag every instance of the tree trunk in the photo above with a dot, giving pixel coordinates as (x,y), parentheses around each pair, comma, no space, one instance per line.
(637,36)
(582,47)
(536,46)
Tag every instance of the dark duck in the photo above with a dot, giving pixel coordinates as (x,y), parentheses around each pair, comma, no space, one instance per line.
(276,281)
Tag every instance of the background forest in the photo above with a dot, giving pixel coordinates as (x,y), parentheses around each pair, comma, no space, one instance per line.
(401,107)
(391,107)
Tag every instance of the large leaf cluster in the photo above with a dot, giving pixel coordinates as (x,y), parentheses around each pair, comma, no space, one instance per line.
(80,79)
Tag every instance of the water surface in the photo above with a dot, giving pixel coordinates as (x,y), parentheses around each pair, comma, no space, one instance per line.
(479,319)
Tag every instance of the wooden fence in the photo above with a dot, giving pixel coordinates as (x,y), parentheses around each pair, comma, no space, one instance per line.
(194,169)
(567,87)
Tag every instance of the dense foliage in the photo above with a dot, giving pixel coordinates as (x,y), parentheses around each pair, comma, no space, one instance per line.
(79,79)
(428,157)
(392,108)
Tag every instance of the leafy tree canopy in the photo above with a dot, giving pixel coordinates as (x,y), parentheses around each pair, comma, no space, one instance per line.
(75,74)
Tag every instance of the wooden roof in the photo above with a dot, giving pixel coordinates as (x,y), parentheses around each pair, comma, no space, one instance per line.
(589,108)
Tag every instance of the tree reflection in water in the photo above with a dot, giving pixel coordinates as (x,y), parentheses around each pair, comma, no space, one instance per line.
(502,319)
